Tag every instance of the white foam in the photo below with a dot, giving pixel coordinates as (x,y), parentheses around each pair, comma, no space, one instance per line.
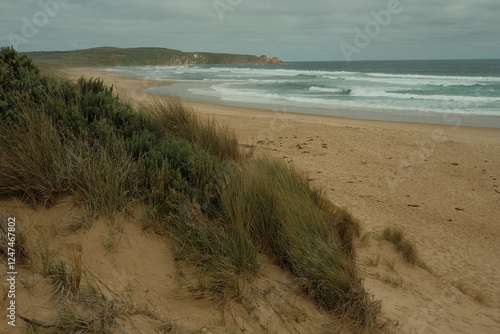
(433,80)
(367,90)
(328,90)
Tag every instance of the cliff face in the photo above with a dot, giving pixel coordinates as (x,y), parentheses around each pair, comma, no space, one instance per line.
(273,60)
(143,56)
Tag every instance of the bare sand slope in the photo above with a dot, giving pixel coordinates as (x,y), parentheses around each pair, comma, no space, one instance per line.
(142,287)
(441,184)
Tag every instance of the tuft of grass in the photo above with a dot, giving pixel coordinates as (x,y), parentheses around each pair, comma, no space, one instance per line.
(115,233)
(107,178)
(35,163)
(66,278)
(90,312)
(407,248)
(180,121)
(77,223)
(365,238)
(30,280)
(395,282)
(390,263)
(373,260)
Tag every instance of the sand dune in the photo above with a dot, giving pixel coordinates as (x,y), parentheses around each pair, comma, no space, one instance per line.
(441,184)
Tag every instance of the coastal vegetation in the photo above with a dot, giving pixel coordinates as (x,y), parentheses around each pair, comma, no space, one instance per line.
(396,236)
(218,206)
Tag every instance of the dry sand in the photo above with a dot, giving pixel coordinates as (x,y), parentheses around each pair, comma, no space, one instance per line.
(440,183)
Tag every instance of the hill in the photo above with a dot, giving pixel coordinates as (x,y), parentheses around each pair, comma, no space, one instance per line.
(110,56)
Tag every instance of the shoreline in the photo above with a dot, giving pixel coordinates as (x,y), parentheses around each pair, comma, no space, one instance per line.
(141,92)
(181,89)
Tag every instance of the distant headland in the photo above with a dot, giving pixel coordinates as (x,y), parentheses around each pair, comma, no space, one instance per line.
(111,56)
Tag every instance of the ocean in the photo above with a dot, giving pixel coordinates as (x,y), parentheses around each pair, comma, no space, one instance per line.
(435,91)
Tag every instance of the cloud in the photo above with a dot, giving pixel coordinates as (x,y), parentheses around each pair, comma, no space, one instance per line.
(290,29)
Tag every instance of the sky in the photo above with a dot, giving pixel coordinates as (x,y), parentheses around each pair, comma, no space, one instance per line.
(293,30)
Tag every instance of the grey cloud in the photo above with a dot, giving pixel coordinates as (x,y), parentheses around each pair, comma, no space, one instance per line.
(290,29)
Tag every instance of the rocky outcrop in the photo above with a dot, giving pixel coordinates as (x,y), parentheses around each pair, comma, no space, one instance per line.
(273,60)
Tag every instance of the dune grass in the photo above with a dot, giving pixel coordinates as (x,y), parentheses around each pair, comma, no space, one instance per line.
(275,207)
(180,121)
(217,206)
(406,247)
(35,163)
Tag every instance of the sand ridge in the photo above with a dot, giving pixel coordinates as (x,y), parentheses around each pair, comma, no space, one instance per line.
(440,183)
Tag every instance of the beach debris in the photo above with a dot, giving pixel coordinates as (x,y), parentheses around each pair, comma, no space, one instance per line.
(459,209)
(413,205)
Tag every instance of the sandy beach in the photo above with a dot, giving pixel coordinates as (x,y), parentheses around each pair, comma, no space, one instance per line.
(440,183)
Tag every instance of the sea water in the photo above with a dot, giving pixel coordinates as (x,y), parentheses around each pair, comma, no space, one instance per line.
(422,90)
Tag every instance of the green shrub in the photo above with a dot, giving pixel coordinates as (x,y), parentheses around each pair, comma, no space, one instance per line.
(140,143)
(175,170)
(19,79)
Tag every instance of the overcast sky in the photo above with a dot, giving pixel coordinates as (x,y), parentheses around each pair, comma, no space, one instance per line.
(290,29)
